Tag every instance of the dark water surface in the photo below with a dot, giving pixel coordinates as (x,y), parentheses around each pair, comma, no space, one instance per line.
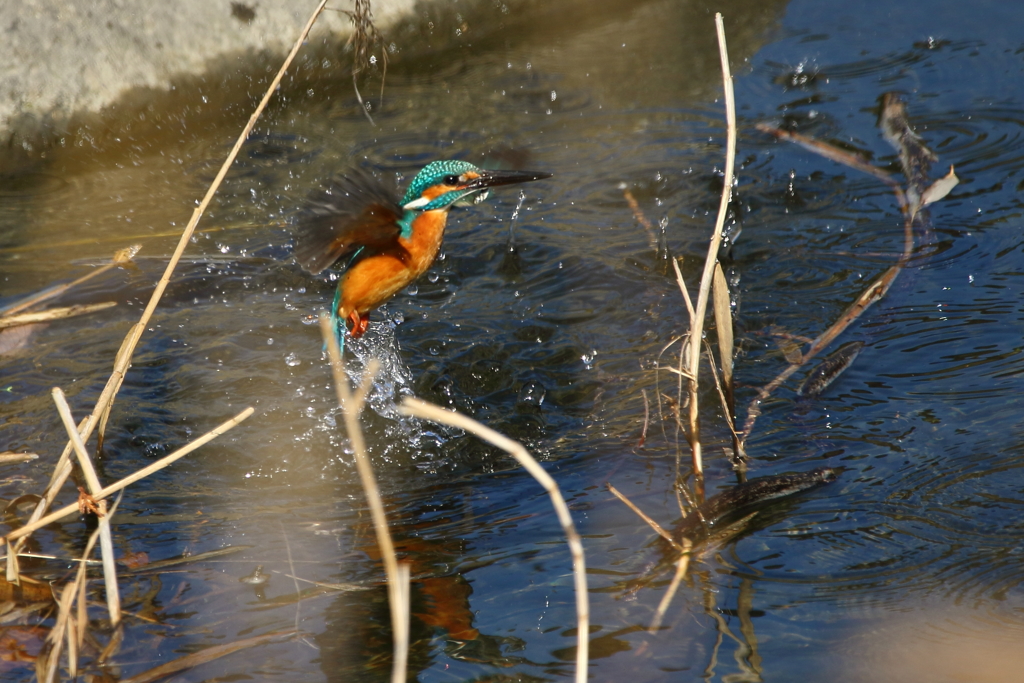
(916,547)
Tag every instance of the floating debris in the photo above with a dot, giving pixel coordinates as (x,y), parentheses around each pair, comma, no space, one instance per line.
(829,369)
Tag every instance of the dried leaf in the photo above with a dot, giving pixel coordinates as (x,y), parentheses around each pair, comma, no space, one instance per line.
(29,591)
(791,350)
(940,188)
(723,322)
(829,369)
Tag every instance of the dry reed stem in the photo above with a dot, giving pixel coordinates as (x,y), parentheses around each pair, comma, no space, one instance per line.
(113,384)
(428,411)
(352,407)
(53,314)
(209,654)
(647,419)
(130,479)
(81,621)
(93,482)
(682,564)
(120,257)
(697,322)
(56,636)
(642,515)
(10,458)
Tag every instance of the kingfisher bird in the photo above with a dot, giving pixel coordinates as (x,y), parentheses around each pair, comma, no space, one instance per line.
(389,243)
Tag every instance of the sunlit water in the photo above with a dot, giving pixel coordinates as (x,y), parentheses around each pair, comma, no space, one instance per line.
(544,319)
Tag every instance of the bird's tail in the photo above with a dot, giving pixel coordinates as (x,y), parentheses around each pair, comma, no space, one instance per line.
(337,324)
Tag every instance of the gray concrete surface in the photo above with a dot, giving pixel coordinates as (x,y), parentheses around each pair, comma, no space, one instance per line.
(59,57)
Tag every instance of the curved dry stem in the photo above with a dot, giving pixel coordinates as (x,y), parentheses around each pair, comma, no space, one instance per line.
(697,321)
(428,411)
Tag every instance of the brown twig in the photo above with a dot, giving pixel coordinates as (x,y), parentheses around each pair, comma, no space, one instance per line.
(638,213)
(121,257)
(875,291)
(364,35)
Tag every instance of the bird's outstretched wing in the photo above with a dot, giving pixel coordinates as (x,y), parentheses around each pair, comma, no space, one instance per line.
(356,211)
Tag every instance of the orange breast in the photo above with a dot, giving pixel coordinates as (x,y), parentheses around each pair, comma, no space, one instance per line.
(375,279)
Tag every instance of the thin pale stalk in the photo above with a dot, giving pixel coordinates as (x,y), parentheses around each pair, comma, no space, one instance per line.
(14,458)
(697,328)
(352,407)
(427,411)
(642,515)
(53,314)
(72,639)
(56,636)
(682,564)
(190,661)
(132,478)
(647,419)
(93,482)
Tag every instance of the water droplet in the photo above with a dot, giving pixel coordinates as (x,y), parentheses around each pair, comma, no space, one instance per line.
(412,290)
(588,359)
(291,360)
(270,341)
(531,395)
(432,277)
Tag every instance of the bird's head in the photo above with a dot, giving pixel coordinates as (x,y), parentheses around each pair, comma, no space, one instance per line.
(443,183)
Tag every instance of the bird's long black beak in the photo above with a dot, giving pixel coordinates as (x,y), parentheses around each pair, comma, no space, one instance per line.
(494,178)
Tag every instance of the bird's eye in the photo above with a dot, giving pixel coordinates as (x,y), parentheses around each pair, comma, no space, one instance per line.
(451,180)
